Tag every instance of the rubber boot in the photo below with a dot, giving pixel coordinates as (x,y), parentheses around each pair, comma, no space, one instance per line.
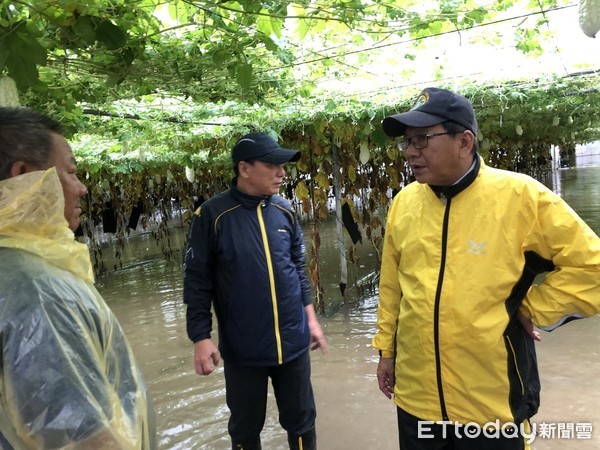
(306,441)
(249,445)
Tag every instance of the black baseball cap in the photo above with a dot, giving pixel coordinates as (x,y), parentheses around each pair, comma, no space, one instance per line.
(433,106)
(262,147)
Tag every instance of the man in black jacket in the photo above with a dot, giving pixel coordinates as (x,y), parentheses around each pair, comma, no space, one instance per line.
(245,256)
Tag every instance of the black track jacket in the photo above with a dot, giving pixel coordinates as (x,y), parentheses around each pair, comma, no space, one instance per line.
(245,255)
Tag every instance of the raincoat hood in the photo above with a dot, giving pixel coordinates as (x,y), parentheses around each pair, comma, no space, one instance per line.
(32,219)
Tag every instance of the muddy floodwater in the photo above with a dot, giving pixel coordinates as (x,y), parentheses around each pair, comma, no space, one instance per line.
(191,413)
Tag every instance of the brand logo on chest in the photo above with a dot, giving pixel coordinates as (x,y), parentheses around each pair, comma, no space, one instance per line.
(477,248)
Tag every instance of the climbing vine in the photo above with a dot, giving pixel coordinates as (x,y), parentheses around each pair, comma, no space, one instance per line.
(518,125)
(154,94)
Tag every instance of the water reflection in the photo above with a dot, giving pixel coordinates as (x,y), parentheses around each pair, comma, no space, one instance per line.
(191,411)
(352,413)
(580,188)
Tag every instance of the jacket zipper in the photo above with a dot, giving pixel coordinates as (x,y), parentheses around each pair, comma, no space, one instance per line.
(436,313)
(514,355)
(263,232)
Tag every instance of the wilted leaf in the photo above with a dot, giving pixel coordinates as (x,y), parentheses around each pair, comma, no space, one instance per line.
(301,191)
(352,173)
(322,180)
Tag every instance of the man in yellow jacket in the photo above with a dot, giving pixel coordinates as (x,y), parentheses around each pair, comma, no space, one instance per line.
(68,375)
(462,248)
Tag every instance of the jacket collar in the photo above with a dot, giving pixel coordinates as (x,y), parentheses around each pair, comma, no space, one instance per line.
(248,201)
(465,182)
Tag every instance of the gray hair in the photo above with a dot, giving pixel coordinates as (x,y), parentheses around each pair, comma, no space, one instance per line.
(25,136)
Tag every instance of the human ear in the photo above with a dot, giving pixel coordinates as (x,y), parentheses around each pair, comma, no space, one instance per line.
(467,140)
(19,168)
(244,168)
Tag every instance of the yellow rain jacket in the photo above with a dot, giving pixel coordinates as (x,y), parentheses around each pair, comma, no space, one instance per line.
(455,271)
(68,378)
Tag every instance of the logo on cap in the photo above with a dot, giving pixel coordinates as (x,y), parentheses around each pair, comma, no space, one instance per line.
(421,100)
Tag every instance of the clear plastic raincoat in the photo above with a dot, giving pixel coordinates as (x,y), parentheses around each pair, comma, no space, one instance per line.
(68,378)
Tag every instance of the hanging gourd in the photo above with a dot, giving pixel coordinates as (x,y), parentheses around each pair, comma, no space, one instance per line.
(364,154)
(190,174)
(8,92)
(589,17)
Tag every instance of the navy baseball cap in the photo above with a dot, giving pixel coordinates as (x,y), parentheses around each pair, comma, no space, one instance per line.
(262,147)
(433,106)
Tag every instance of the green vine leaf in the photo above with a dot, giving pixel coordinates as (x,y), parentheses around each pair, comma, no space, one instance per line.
(244,75)
(22,54)
(85,29)
(112,36)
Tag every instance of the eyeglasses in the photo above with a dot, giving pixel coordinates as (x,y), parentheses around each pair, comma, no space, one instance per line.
(420,141)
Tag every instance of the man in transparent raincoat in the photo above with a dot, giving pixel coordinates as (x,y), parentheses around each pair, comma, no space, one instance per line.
(68,376)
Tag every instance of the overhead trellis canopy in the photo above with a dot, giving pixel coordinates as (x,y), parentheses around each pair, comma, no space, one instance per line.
(154,86)
(154,94)
(67,56)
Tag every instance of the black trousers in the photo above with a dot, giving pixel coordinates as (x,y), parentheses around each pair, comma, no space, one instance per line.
(246,394)
(450,437)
